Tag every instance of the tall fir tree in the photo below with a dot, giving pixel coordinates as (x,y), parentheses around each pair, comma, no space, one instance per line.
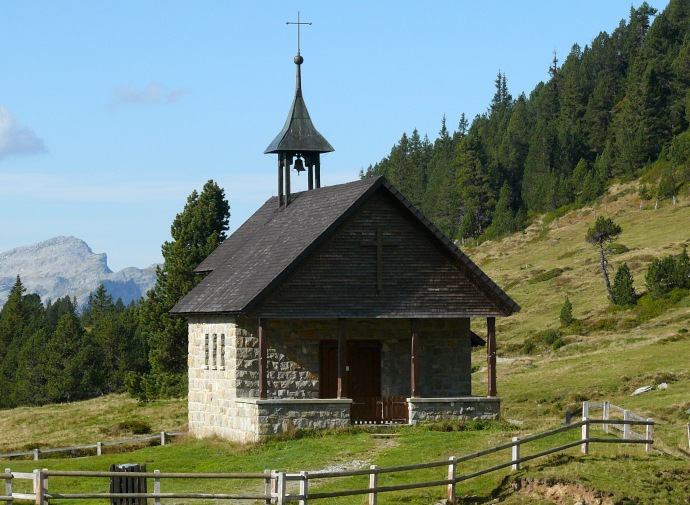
(196,232)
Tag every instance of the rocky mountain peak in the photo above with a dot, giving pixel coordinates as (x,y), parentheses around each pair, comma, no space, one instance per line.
(63,266)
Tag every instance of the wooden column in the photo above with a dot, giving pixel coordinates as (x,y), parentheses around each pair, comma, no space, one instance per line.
(310,175)
(342,349)
(288,162)
(317,171)
(281,162)
(263,361)
(491,353)
(414,360)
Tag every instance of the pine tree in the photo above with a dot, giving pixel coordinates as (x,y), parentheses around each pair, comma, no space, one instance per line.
(503,221)
(566,315)
(623,289)
(604,231)
(73,365)
(196,232)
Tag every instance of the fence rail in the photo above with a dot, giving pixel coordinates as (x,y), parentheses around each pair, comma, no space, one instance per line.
(98,446)
(275,483)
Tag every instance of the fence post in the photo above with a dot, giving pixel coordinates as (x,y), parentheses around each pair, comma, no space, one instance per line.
(626,427)
(41,487)
(516,454)
(36,454)
(607,414)
(8,484)
(162,438)
(268,486)
(452,472)
(304,487)
(156,487)
(649,435)
(36,486)
(280,488)
(373,483)
(585,428)
(99,448)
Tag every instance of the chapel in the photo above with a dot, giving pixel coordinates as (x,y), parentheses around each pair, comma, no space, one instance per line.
(333,306)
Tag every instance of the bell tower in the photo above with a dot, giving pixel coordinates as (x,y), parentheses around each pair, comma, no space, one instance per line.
(298,144)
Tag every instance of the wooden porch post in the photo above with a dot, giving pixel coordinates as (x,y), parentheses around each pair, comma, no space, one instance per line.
(342,390)
(491,353)
(414,360)
(263,361)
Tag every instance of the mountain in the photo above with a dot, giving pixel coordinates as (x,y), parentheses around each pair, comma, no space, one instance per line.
(67,266)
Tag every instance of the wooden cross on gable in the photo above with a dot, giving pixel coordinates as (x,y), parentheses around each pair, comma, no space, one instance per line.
(379,243)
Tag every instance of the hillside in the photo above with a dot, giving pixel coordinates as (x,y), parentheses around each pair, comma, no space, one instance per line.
(608,355)
(609,352)
(517,262)
(66,266)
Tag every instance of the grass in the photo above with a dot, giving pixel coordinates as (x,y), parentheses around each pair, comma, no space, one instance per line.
(604,355)
(113,417)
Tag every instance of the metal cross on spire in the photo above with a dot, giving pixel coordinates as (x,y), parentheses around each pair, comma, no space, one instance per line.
(298,23)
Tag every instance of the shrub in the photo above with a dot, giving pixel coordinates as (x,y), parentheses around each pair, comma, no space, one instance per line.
(135,426)
(616,248)
(551,274)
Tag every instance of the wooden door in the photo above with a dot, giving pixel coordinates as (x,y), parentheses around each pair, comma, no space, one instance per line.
(364,376)
(363,369)
(328,376)
(364,382)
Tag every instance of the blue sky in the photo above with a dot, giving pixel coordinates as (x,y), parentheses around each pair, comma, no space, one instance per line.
(112,112)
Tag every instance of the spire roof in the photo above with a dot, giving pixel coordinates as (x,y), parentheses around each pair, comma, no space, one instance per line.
(299,134)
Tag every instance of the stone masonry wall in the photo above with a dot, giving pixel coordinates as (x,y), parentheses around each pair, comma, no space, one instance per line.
(453,409)
(445,348)
(223,369)
(212,374)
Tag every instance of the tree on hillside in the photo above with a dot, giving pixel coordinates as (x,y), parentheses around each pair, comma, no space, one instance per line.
(196,232)
(623,289)
(603,232)
(566,315)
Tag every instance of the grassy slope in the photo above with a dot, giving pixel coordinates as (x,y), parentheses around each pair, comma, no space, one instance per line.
(595,364)
(536,389)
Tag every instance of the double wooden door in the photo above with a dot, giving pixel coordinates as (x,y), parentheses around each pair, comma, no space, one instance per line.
(362,369)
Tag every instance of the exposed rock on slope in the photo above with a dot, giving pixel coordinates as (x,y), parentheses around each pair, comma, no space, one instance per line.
(67,266)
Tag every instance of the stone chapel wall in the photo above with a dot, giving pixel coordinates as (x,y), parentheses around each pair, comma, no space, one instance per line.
(224,379)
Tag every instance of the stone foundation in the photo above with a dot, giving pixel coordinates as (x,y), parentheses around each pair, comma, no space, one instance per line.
(453,409)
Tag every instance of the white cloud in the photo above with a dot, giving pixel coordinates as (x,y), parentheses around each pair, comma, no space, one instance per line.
(15,138)
(153,93)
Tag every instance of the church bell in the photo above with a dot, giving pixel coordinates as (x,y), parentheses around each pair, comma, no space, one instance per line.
(298,166)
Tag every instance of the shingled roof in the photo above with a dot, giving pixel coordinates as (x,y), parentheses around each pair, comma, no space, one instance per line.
(259,255)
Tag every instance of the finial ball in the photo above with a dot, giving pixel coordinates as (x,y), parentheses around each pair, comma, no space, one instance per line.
(298,59)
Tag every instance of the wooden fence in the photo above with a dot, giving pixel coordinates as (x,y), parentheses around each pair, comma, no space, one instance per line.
(609,409)
(277,490)
(98,446)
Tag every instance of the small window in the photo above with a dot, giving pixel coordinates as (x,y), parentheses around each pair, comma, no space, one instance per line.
(206,350)
(214,363)
(222,351)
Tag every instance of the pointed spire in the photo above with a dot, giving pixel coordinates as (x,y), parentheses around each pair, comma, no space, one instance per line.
(299,134)
(298,141)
